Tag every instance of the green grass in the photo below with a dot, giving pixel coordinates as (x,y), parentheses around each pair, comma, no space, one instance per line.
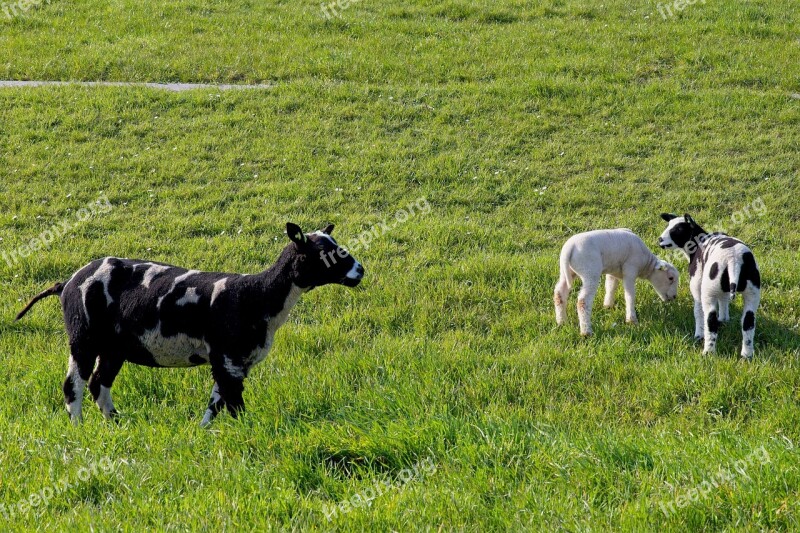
(521,124)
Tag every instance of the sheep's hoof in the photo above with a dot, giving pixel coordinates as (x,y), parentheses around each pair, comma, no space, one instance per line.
(587,334)
(632,322)
(698,340)
(608,306)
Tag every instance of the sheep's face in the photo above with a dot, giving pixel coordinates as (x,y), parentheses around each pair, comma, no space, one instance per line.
(680,231)
(665,280)
(319,260)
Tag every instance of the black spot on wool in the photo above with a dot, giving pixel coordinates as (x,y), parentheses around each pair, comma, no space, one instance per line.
(712,273)
(749,272)
(749,321)
(725,281)
(713,322)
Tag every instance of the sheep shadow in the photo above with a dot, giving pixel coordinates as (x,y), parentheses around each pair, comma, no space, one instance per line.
(772,339)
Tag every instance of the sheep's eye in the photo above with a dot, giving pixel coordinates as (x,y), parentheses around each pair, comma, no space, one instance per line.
(671,278)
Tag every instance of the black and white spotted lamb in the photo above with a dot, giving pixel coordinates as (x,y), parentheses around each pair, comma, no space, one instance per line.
(719,267)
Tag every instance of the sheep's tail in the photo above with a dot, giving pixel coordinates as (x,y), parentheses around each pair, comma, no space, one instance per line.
(566,252)
(734,270)
(55,290)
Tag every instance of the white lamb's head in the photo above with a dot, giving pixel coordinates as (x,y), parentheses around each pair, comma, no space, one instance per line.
(665,280)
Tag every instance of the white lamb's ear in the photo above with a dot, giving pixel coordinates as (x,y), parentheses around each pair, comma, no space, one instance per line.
(662,265)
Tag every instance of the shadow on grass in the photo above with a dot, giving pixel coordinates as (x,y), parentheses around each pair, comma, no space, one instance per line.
(771,337)
(773,340)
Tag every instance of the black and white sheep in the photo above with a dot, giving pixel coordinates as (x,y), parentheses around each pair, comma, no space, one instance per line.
(153,314)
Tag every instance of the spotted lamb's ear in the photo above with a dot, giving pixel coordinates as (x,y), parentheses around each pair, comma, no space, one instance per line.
(689,220)
(295,233)
(668,216)
(327,230)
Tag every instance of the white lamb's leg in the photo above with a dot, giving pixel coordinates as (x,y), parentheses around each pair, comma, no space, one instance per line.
(629,285)
(560,295)
(585,300)
(611,287)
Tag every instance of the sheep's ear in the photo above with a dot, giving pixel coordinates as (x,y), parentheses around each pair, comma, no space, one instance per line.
(295,233)
(327,230)
(689,220)
(662,265)
(668,216)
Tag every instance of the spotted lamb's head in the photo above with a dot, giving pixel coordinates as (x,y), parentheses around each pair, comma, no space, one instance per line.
(319,260)
(680,231)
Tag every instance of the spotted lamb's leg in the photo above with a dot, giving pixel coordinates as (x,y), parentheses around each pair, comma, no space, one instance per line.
(711,315)
(101,381)
(699,317)
(724,307)
(78,372)
(751,299)
(699,322)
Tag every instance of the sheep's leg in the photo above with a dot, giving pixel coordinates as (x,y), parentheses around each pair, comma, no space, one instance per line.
(751,299)
(629,285)
(560,296)
(78,372)
(724,307)
(585,301)
(611,287)
(101,381)
(695,287)
(711,314)
(215,405)
(699,321)
(228,388)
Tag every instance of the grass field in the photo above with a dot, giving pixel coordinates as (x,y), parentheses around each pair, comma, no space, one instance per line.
(440,390)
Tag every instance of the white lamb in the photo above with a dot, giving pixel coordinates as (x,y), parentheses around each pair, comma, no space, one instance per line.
(621,255)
